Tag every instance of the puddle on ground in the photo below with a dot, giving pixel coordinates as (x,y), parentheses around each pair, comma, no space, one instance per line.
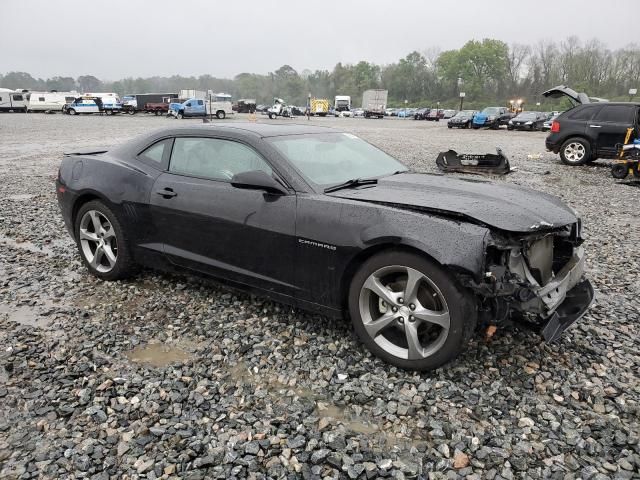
(340,414)
(158,354)
(25,315)
(29,246)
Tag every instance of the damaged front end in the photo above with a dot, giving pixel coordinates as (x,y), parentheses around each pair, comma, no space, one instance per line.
(538,277)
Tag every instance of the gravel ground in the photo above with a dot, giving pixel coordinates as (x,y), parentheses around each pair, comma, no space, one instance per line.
(169,376)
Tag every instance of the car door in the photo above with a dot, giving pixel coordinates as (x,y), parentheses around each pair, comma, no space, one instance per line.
(610,125)
(208,225)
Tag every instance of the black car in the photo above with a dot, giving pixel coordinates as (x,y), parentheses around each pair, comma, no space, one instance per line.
(462,119)
(589,131)
(492,117)
(323,220)
(527,121)
(421,114)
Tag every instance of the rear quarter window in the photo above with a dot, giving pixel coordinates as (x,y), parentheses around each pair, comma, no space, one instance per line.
(584,113)
(155,153)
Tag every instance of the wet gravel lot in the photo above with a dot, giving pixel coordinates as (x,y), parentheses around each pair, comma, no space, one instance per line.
(179,377)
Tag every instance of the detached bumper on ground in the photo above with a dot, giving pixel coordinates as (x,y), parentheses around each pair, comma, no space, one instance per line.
(576,303)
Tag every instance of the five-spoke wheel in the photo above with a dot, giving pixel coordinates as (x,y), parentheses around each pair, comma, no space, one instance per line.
(409,311)
(102,242)
(98,241)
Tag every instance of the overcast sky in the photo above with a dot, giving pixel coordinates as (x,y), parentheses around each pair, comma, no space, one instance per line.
(120,38)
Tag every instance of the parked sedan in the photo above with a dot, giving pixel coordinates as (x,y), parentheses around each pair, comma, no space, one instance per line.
(435,114)
(421,114)
(462,119)
(527,121)
(323,220)
(546,126)
(449,114)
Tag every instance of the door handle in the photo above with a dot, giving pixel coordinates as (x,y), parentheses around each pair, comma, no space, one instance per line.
(166,192)
(595,126)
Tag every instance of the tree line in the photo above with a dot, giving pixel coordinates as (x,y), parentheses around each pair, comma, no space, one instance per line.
(487,71)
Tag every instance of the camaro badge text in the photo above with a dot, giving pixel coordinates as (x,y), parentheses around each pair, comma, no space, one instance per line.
(316,244)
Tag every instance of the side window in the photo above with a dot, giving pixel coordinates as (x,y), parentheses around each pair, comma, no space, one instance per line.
(155,152)
(616,114)
(200,102)
(17,98)
(214,158)
(585,113)
(189,104)
(41,99)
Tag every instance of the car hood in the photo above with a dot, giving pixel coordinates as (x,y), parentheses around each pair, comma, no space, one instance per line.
(499,205)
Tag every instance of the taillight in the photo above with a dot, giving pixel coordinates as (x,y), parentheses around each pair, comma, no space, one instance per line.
(555,127)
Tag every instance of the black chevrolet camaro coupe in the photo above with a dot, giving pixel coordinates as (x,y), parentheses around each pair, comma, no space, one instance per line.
(323,220)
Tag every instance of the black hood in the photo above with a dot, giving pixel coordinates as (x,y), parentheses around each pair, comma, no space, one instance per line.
(499,205)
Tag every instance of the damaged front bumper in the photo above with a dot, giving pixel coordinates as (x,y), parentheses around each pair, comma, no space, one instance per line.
(575,304)
(547,289)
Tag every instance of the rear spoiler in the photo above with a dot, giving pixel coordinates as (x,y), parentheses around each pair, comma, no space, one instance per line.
(88,151)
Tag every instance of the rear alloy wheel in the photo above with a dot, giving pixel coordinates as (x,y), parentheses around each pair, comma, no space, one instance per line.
(410,312)
(575,151)
(101,241)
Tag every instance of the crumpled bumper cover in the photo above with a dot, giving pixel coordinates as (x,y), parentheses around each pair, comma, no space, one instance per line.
(574,306)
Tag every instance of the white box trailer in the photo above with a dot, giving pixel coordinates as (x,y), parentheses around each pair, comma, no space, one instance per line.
(374,103)
(49,101)
(12,100)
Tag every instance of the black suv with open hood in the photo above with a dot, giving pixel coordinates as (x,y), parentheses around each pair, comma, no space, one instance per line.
(590,130)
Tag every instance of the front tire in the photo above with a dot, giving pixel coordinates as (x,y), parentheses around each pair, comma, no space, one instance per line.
(410,312)
(221,115)
(102,242)
(575,151)
(71,111)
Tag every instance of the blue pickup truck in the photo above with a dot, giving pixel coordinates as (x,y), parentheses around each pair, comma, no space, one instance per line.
(193,107)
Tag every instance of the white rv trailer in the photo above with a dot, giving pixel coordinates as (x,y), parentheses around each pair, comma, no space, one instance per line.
(12,100)
(49,101)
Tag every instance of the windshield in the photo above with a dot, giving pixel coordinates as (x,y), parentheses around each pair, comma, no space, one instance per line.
(491,111)
(464,113)
(333,158)
(528,116)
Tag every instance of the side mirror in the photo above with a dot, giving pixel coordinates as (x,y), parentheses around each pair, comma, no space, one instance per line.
(257,180)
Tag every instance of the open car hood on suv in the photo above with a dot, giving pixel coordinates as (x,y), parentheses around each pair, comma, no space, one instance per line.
(563,91)
(499,205)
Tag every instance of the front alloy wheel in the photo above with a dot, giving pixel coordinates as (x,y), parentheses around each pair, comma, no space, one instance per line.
(404,312)
(410,312)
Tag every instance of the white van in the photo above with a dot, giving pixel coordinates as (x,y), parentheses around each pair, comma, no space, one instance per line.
(219,104)
(49,101)
(94,103)
(12,100)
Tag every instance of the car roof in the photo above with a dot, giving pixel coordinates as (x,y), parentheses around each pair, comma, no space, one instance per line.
(259,129)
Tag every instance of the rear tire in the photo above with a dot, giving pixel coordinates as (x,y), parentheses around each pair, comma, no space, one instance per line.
(102,242)
(71,111)
(220,115)
(575,151)
(429,318)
